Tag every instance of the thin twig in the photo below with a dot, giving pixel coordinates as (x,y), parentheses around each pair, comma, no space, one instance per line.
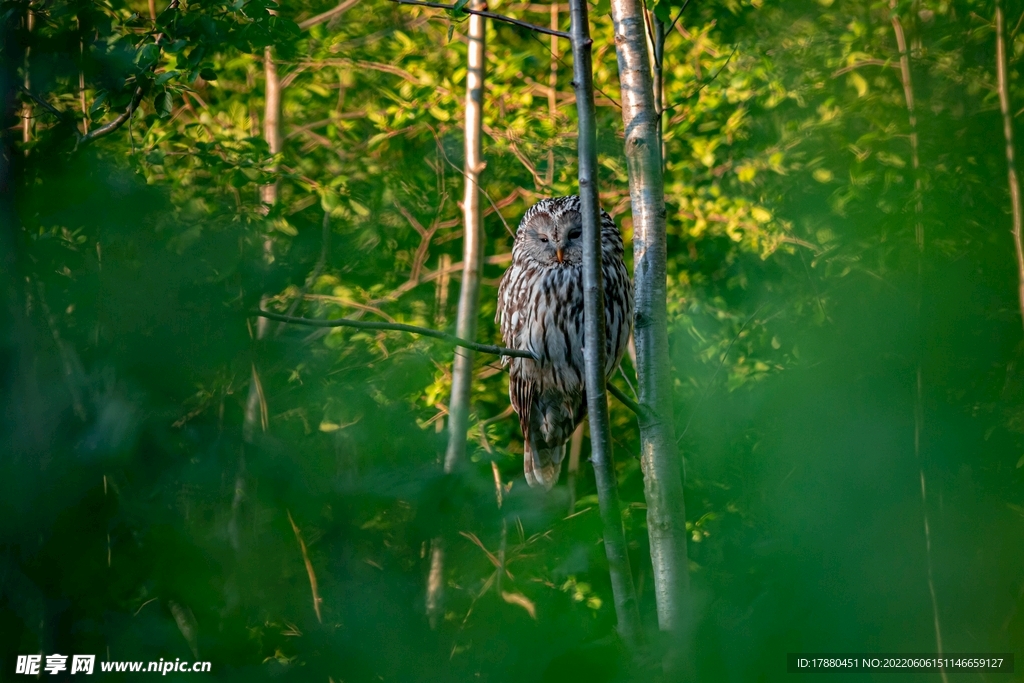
(487,195)
(489,15)
(562,62)
(864,62)
(705,83)
(326,16)
(673,24)
(127,114)
(44,104)
(397,327)
(625,400)
(309,568)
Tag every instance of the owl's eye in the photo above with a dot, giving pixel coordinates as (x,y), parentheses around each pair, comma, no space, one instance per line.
(543,239)
(575,234)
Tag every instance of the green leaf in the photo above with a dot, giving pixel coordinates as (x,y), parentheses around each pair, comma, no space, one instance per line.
(147,56)
(164,104)
(97,103)
(208,74)
(176,46)
(166,76)
(451,30)
(457,7)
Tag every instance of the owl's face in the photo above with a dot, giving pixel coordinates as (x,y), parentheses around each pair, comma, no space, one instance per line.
(552,238)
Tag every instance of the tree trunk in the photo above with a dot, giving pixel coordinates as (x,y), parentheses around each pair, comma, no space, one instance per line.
(472,249)
(271,119)
(1011,164)
(256,405)
(26,117)
(915,159)
(624,594)
(469,291)
(663,479)
(549,172)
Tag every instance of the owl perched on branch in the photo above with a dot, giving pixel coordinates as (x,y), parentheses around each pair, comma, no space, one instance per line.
(540,309)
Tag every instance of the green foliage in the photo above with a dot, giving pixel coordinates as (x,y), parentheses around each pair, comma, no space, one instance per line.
(797,315)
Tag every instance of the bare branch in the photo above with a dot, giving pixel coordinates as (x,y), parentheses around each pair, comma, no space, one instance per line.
(327,16)
(489,15)
(397,327)
(625,400)
(110,127)
(44,104)
(317,600)
(704,84)
(863,62)
(679,14)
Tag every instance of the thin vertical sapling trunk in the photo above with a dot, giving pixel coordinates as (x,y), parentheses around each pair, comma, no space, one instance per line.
(663,477)
(623,593)
(908,94)
(26,116)
(469,291)
(549,172)
(271,119)
(256,405)
(1011,163)
(472,248)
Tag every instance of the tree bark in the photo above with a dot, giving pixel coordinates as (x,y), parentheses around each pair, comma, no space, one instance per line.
(26,120)
(469,291)
(549,172)
(472,248)
(624,594)
(271,120)
(1011,163)
(663,477)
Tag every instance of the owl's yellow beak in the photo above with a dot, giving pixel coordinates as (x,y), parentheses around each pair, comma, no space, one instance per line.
(559,255)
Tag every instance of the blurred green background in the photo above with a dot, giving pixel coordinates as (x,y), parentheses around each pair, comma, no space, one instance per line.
(816,280)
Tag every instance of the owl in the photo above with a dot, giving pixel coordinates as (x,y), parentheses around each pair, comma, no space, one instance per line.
(540,309)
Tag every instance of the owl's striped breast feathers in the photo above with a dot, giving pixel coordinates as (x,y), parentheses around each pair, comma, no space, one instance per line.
(540,309)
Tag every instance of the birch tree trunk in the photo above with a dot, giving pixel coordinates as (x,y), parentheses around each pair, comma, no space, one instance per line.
(469,292)
(1011,163)
(663,478)
(624,594)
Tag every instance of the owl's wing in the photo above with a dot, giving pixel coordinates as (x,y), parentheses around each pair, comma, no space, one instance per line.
(511,314)
(521,392)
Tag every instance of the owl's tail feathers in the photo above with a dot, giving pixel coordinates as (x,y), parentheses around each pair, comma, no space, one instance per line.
(542,465)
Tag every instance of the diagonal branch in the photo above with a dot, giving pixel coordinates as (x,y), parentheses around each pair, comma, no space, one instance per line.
(436,334)
(704,84)
(44,104)
(110,127)
(398,327)
(489,15)
(625,400)
(327,16)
